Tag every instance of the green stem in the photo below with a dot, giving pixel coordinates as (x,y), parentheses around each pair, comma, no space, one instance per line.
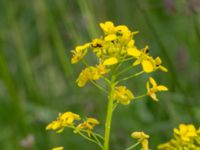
(109,115)
(115,105)
(95,137)
(131,147)
(89,139)
(126,69)
(98,86)
(139,97)
(131,76)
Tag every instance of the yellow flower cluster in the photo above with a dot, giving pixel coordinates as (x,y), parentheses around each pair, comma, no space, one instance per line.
(67,120)
(142,138)
(64,120)
(91,73)
(186,137)
(115,46)
(123,95)
(87,125)
(155,88)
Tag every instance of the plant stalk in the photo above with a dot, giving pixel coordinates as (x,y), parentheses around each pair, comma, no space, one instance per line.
(109,115)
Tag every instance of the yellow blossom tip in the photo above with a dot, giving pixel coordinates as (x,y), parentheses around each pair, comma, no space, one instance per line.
(139,135)
(110,61)
(58,148)
(136,32)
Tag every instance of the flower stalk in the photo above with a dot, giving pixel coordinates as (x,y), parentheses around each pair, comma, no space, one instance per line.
(109,115)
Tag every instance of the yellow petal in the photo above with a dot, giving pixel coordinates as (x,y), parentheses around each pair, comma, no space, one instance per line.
(145,144)
(134,52)
(163,68)
(148,87)
(110,61)
(147,66)
(107,27)
(129,94)
(58,148)
(158,61)
(139,135)
(125,101)
(162,88)
(82,47)
(122,28)
(92,120)
(153,96)
(153,82)
(110,37)
(131,43)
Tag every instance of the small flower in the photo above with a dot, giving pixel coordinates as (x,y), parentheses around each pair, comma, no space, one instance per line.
(186,137)
(88,125)
(123,95)
(108,27)
(158,63)
(63,120)
(155,88)
(148,63)
(79,53)
(58,148)
(186,132)
(142,138)
(143,58)
(139,135)
(91,73)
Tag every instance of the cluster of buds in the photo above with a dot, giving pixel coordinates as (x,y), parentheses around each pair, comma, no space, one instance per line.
(186,137)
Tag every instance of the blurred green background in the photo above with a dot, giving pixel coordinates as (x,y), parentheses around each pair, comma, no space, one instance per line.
(37,80)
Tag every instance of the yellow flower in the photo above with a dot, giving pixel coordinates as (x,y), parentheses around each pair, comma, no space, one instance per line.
(58,148)
(79,53)
(108,27)
(139,135)
(124,34)
(97,46)
(91,73)
(110,61)
(155,88)
(148,63)
(186,132)
(63,120)
(97,43)
(123,95)
(68,117)
(185,137)
(143,58)
(121,29)
(82,47)
(158,63)
(142,138)
(88,125)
